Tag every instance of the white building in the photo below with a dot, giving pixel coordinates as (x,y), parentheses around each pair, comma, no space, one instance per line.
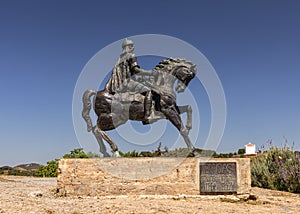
(250,149)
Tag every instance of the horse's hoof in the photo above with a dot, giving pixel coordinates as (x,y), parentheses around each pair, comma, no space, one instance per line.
(89,128)
(116,154)
(146,122)
(196,155)
(191,155)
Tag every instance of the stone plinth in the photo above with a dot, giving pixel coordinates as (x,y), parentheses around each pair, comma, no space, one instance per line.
(126,176)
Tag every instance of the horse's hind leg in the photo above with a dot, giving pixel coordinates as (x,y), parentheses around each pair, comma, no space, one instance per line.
(112,144)
(97,133)
(109,122)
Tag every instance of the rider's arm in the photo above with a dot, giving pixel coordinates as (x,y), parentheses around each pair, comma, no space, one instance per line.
(141,71)
(136,68)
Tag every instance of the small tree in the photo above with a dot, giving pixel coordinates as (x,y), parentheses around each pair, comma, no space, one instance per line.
(241,151)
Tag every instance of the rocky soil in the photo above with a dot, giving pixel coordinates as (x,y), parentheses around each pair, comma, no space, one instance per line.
(37,195)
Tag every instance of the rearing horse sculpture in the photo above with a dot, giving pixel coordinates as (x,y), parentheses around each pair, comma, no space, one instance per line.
(115,109)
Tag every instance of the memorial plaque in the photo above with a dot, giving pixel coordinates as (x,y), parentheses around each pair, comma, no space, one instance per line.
(218,178)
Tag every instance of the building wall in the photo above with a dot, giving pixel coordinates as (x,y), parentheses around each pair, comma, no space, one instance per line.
(250,149)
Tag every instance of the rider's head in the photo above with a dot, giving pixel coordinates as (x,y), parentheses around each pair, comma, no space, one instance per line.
(128,46)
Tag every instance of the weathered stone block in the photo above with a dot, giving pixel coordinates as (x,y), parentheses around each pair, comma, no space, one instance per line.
(123,176)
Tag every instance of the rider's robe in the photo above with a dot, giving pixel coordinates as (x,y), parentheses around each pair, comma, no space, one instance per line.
(122,74)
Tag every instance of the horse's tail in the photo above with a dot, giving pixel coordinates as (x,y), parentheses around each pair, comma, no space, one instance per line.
(86,99)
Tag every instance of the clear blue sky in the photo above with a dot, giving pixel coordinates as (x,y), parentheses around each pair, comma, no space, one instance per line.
(254,47)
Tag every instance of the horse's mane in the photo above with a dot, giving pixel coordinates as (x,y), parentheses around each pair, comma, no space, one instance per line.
(165,63)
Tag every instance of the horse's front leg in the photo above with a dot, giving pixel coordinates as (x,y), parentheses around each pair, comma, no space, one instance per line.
(187,109)
(173,115)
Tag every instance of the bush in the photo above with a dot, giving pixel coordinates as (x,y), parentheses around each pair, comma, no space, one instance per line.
(146,154)
(277,169)
(76,153)
(50,170)
(92,155)
(129,154)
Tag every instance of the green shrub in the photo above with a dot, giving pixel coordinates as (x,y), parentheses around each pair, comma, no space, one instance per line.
(277,169)
(222,155)
(92,155)
(50,170)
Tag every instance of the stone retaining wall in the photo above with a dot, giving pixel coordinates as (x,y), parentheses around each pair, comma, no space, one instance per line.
(124,176)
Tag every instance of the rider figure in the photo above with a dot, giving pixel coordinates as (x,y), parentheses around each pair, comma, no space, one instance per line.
(123,76)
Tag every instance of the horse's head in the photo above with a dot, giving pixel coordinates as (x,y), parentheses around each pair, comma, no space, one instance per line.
(184,72)
(182,69)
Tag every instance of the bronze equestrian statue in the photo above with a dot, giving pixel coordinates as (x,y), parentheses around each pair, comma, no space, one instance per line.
(129,95)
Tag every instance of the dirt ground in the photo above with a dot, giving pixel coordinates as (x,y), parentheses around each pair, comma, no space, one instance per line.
(37,195)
